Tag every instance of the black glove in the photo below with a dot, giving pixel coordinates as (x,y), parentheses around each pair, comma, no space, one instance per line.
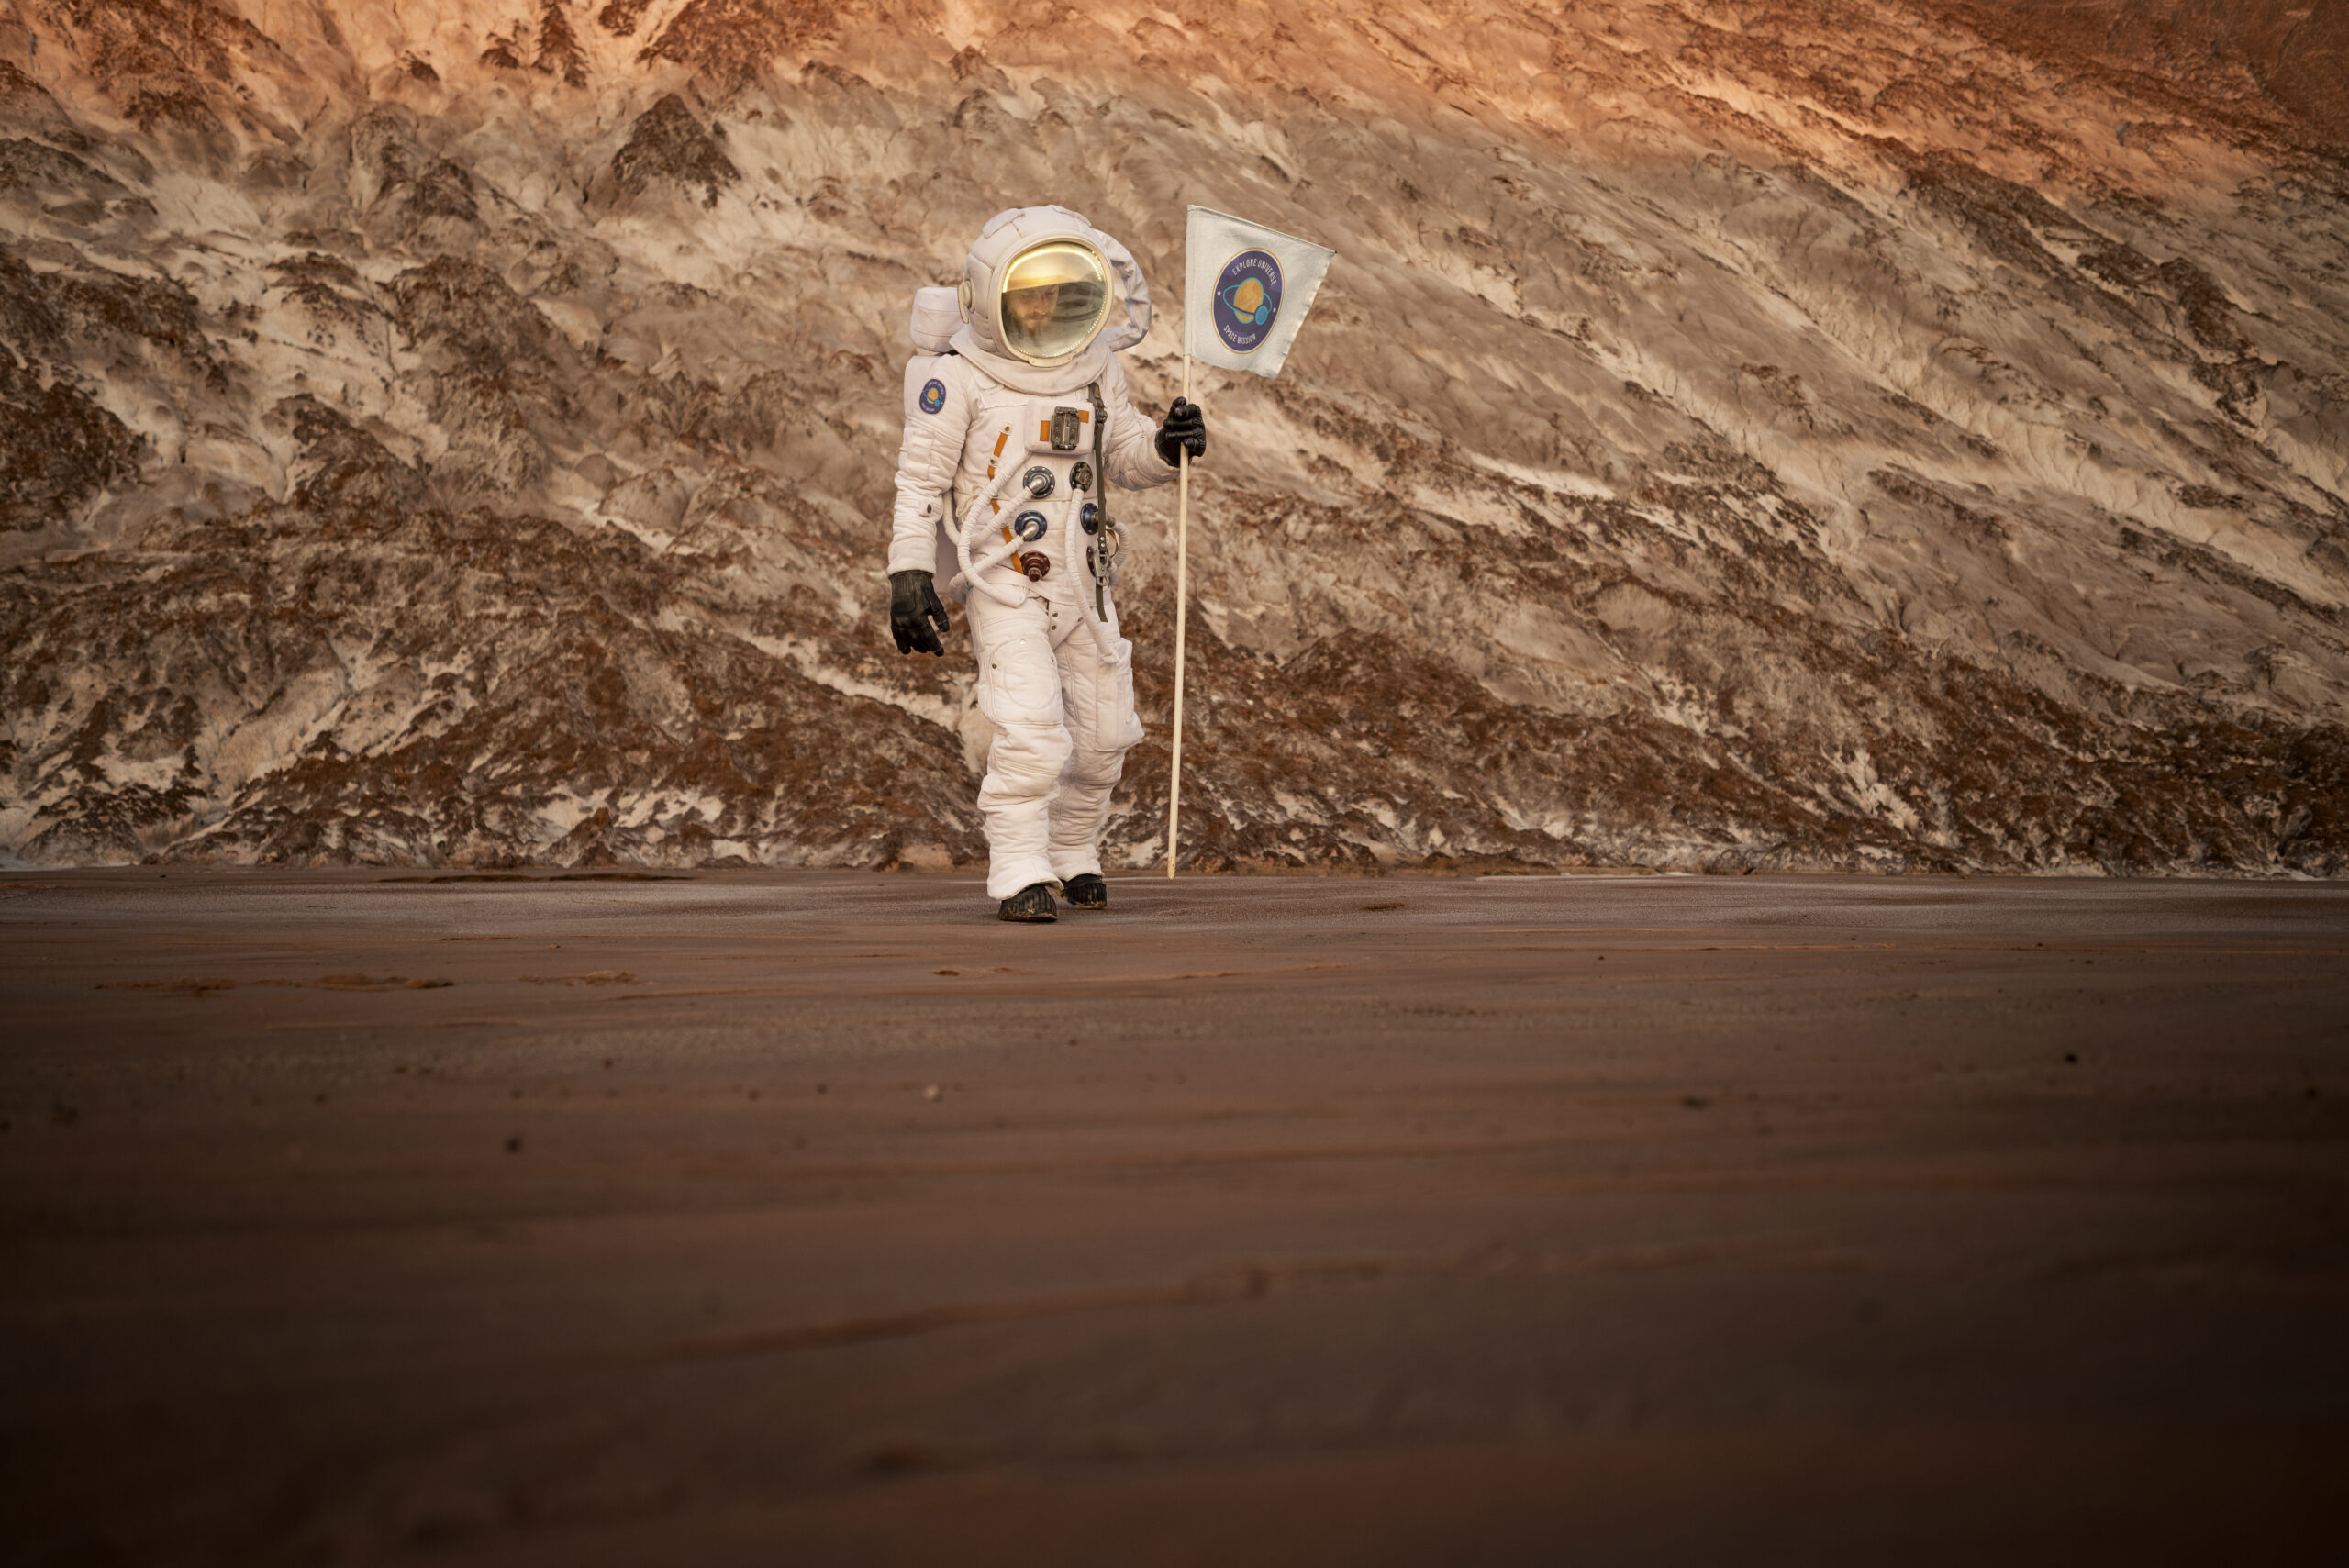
(1187,425)
(913,605)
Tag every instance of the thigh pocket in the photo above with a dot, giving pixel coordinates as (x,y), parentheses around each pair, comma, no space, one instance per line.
(1115,722)
(1019,682)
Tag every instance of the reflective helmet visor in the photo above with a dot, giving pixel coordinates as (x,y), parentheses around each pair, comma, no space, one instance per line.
(1055,299)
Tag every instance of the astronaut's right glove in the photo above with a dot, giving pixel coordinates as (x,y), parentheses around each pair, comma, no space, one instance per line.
(1185,426)
(913,605)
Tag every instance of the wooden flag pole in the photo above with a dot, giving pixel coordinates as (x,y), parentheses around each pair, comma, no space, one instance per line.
(1182,602)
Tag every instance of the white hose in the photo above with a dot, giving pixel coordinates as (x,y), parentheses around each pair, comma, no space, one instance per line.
(1001,594)
(1072,527)
(996,556)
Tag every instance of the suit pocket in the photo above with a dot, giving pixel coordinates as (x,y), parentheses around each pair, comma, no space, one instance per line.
(1019,682)
(1119,721)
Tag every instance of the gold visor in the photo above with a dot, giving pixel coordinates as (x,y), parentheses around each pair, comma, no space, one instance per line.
(1054,300)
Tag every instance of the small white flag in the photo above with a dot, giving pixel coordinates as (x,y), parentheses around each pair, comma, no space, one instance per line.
(1245,291)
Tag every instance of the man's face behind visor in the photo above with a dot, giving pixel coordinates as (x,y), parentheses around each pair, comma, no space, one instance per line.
(1056,300)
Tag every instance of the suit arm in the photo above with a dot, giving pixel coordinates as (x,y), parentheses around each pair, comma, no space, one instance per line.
(938,418)
(1130,454)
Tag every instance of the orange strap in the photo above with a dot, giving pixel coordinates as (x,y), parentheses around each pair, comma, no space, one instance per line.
(998,505)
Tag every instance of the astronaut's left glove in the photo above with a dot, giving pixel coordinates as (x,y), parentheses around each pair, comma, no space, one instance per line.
(913,605)
(1186,427)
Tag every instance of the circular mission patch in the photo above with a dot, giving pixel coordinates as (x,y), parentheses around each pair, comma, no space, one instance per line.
(1247,300)
(933,395)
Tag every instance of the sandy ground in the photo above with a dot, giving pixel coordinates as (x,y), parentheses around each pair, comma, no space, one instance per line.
(360,1217)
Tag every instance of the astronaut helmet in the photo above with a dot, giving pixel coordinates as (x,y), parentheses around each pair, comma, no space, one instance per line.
(1042,284)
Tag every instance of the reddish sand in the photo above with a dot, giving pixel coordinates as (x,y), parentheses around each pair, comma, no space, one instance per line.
(1514,1220)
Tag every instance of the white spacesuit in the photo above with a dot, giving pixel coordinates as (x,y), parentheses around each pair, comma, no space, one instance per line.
(1010,433)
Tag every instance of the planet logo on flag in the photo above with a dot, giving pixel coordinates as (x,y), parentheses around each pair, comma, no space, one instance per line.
(1247,300)
(933,395)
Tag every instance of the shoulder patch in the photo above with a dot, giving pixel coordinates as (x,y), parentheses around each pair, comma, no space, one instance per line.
(933,395)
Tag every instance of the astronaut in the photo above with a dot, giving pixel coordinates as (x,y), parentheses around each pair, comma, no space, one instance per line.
(1016,426)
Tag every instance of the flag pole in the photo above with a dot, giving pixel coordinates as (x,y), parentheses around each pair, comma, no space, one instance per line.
(1182,599)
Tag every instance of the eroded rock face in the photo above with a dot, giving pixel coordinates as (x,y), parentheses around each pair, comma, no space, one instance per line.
(669,150)
(1909,438)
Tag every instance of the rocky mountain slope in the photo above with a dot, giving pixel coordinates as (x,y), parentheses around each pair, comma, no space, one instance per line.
(1792,433)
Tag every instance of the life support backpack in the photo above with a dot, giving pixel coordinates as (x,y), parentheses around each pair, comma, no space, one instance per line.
(938,316)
